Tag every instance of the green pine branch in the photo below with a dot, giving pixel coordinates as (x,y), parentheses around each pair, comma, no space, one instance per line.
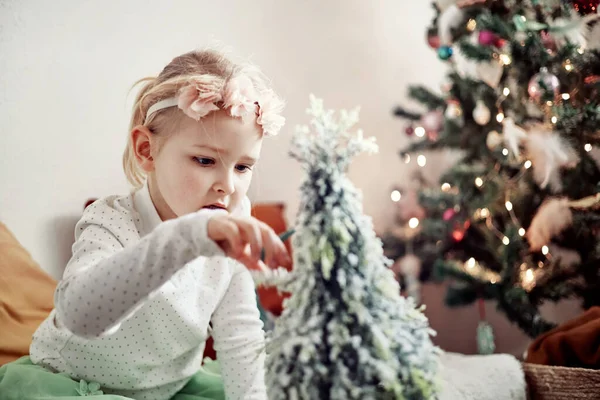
(476,52)
(426,97)
(516,305)
(402,112)
(422,145)
(488,21)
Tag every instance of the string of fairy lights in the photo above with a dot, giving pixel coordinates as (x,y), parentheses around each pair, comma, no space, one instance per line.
(528,274)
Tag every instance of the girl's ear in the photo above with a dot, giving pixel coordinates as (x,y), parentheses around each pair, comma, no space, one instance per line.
(141,139)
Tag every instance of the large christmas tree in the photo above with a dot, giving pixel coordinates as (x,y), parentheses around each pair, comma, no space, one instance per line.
(516,218)
(345,332)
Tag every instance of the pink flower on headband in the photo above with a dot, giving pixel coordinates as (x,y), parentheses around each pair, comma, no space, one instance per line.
(199,98)
(269,113)
(203,96)
(240,96)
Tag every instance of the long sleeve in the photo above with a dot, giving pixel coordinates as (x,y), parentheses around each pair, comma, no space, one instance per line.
(107,280)
(239,339)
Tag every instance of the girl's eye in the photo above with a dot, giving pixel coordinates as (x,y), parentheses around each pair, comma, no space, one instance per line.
(204,161)
(243,168)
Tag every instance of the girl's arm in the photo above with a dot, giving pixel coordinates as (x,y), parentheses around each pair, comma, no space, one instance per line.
(239,339)
(106,282)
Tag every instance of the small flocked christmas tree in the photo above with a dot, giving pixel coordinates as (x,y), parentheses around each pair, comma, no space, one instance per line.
(345,332)
(516,219)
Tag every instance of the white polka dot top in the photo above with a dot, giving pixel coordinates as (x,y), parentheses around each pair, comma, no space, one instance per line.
(132,311)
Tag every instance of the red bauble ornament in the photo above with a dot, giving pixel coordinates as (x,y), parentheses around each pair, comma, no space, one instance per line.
(409,131)
(433,41)
(585,7)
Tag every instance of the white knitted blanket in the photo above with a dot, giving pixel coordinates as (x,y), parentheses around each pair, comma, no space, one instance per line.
(493,377)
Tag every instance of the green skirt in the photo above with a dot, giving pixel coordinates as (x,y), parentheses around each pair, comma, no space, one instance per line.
(23,380)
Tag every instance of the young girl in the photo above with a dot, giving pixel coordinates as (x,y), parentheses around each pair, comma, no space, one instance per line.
(155,272)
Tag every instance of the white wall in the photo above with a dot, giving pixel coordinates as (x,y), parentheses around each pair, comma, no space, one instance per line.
(66,68)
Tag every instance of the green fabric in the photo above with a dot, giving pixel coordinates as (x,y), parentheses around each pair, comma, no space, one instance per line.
(24,380)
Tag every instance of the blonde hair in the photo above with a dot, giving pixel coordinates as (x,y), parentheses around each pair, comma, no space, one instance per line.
(206,64)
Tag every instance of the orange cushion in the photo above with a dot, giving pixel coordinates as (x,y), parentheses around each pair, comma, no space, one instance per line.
(26,297)
(273,214)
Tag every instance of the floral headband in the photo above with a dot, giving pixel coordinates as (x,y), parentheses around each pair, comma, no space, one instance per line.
(205,94)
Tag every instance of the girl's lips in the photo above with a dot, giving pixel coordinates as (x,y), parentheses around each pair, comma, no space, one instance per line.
(215,207)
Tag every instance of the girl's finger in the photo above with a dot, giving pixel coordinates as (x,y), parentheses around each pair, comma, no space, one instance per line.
(250,232)
(251,263)
(225,230)
(275,251)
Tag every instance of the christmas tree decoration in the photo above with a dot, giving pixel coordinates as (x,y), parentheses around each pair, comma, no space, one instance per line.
(432,121)
(448,214)
(493,140)
(450,18)
(505,59)
(485,333)
(420,131)
(585,7)
(543,86)
(445,52)
(453,109)
(566,29)
(553,216)
(529,276)
(471,25)
(534,66)
(345,332)
(409,130)
(475,270)
(485,338)
(548,153)
(489,38)
(481,114)
(458,233)
(433,136)
(433,40)
(513,136)
(490,73)
(413,223)
(444,4)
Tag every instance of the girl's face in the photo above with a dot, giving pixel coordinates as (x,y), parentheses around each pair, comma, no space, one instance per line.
(205,164)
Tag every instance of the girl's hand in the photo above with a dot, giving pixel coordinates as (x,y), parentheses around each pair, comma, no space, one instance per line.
(244,238)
